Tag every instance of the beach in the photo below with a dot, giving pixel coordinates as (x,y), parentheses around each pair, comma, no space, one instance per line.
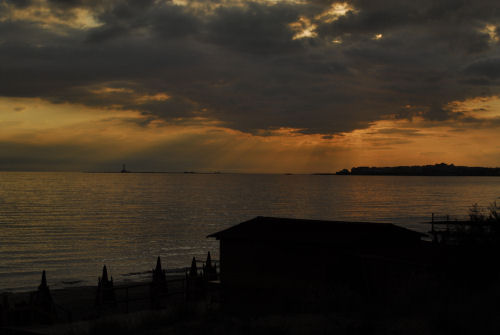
(79,304)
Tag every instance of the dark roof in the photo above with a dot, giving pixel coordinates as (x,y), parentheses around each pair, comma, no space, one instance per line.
(269,228)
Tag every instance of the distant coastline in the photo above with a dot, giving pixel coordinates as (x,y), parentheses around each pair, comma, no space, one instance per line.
(441,169)
(165,172)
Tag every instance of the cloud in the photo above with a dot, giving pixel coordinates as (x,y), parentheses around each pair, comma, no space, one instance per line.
(487,69)
(255,29)
(240,64)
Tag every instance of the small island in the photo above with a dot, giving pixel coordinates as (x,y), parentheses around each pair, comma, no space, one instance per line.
(441,169)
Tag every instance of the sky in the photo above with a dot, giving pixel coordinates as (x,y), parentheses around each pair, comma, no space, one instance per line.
(264,86)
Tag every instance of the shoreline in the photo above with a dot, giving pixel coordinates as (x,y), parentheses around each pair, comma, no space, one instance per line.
(131,278)
(79,303)
(117,284)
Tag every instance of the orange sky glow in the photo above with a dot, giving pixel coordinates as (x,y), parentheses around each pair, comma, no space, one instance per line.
(118,134)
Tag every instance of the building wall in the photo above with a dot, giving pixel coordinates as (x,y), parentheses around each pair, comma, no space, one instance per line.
(305,270)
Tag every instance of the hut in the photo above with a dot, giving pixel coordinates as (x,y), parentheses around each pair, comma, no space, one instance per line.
(310,259)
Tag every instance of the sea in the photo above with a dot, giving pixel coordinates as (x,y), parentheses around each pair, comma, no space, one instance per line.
(71,224)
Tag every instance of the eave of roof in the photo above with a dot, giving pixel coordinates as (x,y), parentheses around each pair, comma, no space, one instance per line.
(284,228)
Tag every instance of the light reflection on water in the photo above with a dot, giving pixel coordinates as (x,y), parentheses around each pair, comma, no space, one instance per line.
(72,223)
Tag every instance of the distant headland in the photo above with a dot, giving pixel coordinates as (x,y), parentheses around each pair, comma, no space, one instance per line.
(441,169)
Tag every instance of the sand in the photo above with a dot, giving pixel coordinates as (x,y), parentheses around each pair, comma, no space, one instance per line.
(79,303)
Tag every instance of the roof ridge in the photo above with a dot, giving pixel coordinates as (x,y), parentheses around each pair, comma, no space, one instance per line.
(245,227)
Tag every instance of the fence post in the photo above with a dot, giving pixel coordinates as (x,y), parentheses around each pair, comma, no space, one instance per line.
(126,300)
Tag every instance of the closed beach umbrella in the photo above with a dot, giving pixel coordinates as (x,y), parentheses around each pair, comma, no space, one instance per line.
(193,272)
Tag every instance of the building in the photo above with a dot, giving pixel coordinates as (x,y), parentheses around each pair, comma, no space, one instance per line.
(312,260)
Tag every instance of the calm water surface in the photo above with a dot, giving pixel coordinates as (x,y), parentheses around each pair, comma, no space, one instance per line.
(70,224)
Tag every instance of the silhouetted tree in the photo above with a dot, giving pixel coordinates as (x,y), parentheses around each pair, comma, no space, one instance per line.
(483,226)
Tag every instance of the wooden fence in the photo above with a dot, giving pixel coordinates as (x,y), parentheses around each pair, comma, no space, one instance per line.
(125,298)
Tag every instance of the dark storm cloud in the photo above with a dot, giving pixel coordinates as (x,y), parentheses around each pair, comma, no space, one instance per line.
(128,17)
(254,29)
(19,3)
(240,64)
(485,69)
(424,48)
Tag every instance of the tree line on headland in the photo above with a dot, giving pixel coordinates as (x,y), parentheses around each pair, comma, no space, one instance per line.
(441,169)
